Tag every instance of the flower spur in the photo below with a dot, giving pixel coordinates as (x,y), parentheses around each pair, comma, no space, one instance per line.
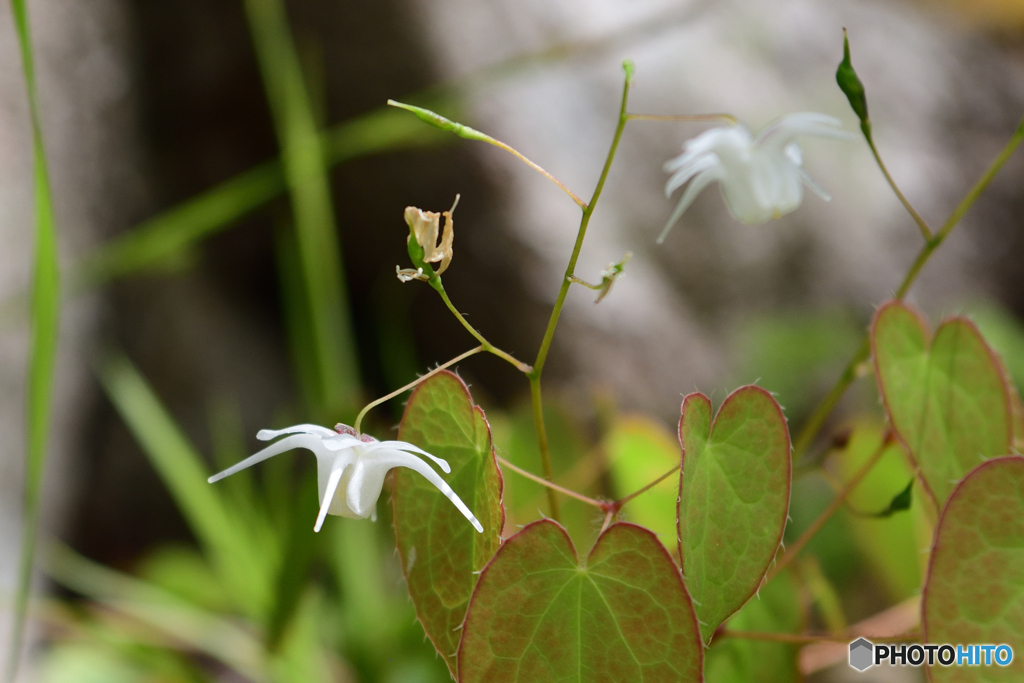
(761,177)
(355,463)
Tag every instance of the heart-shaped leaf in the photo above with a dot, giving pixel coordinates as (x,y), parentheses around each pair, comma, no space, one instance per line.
(538,615)
(947,397)
(733,498)
(974,592)
(439,549)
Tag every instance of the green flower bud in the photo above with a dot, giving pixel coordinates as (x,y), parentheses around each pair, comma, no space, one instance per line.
(851,86)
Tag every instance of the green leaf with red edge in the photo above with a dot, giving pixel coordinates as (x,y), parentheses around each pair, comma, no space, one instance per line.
(539,615)
(776,609)
(947,397)
(733,498)
(974,592)
(440,551)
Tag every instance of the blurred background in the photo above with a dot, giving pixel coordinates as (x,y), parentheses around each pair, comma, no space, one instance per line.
(211,290)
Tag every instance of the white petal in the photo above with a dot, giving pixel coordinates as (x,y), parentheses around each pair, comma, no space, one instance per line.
(365,484)
(794,154)
(690,169)
(698,184)
(815,187)
(396,458)
(408,447)
(339,442)
(779,133)
(308,441)
(332,486)
(268,434)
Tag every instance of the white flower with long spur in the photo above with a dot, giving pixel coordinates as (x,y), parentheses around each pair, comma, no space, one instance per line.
(355,463)
(761,177)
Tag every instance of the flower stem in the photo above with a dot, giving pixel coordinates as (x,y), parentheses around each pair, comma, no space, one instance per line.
(410,385)
(926,232)
(435,282)
(817,419)
(556,312)
(728,118)
(552,486)
(514,152)
(827,513)
(542,443)
(463,131)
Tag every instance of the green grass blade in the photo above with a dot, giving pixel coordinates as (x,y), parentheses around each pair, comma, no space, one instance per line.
(309,188)
(153,607)
(244,569)
(44,322)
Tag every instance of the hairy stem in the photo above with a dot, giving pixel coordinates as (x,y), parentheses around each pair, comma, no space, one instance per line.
(397,392)
(817,419)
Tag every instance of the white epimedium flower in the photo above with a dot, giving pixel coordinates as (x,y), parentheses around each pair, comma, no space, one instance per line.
(761,177)
(354,463)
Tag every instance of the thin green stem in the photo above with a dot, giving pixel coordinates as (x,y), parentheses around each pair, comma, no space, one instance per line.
(821,413)
(926,231)
(550,485)
(556,312)
(397,392)
(707,118)
(517,154)
(827,513)
(817,419)
(487,346)
(622,502)
(464,131)
(542,443)
(570,270)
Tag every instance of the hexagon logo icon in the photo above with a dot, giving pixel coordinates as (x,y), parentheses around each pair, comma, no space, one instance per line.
(861,654)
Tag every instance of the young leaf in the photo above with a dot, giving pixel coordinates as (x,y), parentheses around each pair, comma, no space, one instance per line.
(974,592)
(538,615)
(733,498)
(439,549)
(947,398)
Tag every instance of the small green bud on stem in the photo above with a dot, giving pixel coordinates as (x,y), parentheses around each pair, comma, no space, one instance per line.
(851,86)
(438,121)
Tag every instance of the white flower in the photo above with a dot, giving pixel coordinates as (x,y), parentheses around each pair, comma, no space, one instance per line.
(760,177)
(355,463)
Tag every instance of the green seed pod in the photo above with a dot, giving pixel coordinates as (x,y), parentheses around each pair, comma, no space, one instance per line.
(851,86)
